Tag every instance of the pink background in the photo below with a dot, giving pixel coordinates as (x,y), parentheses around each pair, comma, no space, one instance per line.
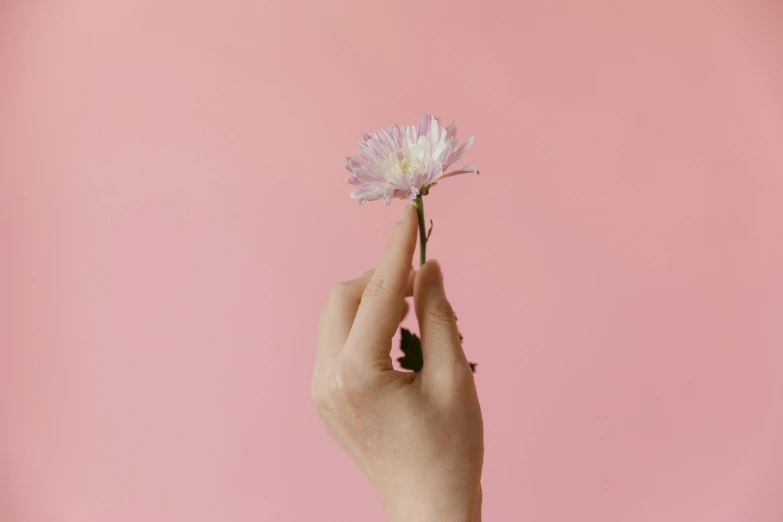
(172,214)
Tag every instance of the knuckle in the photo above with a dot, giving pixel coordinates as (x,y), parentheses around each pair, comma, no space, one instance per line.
(339,292)
(441,313)
(339,296)
(381,284)
(346,389)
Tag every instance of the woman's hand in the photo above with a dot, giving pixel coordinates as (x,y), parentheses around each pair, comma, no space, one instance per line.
(417,437)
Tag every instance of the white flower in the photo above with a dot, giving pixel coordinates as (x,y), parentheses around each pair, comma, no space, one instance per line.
(404,162)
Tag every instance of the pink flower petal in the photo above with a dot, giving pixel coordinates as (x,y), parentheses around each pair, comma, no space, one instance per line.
(376,145)
(352,163)
(387,139)
(462,149)
(444,148)
(451,130)
(399,162)
(365,150)
(424,124)
(467,169)
(434,132)
(395,132)
(368,155)
(366,193)
(366,175)
(434,174)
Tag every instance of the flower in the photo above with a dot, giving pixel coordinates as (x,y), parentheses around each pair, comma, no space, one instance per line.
(405,162)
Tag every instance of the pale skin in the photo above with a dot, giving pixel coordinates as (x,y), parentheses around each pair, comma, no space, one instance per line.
(418,438)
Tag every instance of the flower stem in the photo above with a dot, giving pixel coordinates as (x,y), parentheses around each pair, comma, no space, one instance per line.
(419,202)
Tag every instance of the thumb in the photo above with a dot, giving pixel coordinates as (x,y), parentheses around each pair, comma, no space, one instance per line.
(440,343)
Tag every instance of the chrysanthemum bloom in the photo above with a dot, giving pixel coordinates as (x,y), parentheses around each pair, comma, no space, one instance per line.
(405,162)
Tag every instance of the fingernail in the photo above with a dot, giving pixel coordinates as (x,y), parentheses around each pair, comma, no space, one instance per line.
(405,211)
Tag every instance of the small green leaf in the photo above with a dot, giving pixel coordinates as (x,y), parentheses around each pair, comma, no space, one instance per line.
(413,358)
(410,345)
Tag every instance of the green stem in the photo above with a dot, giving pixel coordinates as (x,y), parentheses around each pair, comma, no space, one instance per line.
(422,230)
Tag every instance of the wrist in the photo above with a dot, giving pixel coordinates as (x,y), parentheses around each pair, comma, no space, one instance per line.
(465,508)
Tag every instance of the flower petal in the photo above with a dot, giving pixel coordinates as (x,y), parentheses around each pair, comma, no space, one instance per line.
(387,139)
(366,175)
(376,145)
(395,133)
(367,193)
(353,163)
(411,134)
(424,124)
(434,132)
(365,151)
(444,148)
(451,130)
(462,149)
(467,169)
(400,161)
(435,174)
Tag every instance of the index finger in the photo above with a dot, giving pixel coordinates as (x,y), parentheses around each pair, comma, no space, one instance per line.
(382,301)
(340,311)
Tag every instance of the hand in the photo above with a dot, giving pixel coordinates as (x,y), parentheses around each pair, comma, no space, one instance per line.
(417,437)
